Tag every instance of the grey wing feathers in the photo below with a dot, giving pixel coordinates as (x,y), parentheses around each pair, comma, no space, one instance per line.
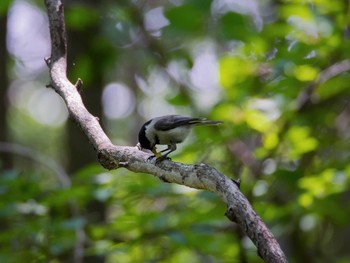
(173,121)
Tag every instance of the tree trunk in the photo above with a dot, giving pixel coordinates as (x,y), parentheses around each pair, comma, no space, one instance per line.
(5,158)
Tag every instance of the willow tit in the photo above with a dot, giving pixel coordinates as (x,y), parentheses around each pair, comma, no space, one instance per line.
(168,130)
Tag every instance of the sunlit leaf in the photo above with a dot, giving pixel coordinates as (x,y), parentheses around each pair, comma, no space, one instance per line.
(300,141)
(303,11)
(305,73)
(257,120)
(234,70)
(270,141)
(334,86)
(306,200)
(321,185)
(229,112)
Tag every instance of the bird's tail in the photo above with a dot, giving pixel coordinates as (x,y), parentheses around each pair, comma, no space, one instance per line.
(204,121)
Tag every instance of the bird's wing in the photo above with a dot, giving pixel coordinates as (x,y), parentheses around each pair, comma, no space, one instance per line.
(172,121)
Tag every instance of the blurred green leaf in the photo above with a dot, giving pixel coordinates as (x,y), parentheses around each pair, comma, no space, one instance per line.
(300,141)
(334,86)
(305,73)
(81,17)
(294,9)
(234,70)
(257,120)
(236,26)
(179,100)
(186,18)
(4,5)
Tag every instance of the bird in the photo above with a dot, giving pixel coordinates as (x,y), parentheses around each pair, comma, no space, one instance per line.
(168,130)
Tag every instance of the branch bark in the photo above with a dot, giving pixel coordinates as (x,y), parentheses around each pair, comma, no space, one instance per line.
(110,156)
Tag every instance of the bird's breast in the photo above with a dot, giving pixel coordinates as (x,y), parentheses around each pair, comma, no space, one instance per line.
(176,135)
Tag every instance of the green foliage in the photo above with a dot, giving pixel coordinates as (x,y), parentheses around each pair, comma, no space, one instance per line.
(79,18)
(285,135)
(191,18)
(4,5)
(236,26)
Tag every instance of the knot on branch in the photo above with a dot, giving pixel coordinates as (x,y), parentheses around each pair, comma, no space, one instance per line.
(230,214)
(79,85)
(107,160)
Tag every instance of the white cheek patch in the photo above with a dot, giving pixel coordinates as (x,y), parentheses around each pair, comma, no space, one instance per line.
(150,133)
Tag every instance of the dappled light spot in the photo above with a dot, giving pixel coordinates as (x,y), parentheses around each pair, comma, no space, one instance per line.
(260,188)
(270,140)
(258,120)
(325,183)
(307,222)
(269,166)
(204,74)
(155,20)
(28,38)
(31,207)
(300,141)
(305,73)
(305,200)
(47,108)
(117,101)
(234,70)
(42,104)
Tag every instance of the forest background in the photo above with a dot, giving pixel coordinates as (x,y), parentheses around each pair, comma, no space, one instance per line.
(276,73)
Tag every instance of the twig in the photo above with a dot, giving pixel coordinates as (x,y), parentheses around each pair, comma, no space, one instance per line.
(308,95)
(111,157)
(334,70)
(79,85)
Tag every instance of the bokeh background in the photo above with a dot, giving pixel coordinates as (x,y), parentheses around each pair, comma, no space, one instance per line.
(277,74)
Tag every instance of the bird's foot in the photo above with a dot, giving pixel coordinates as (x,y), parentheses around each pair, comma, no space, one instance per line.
(149,159)
(158,159)
(162,158)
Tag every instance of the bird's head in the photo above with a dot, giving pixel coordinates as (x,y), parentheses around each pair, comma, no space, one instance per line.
(143,140)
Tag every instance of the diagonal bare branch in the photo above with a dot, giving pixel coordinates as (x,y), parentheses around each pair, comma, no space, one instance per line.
(199,176)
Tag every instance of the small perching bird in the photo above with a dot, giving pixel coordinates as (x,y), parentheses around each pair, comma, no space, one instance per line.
(168,130)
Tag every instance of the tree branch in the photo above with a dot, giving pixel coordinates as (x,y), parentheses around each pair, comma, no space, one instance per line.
(199,176)
(308,96)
